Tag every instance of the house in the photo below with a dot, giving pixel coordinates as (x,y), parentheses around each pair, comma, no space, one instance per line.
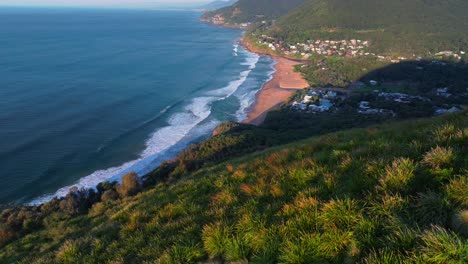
(445,53)
(369,111)
(325,104)
(364,105)
(443,92)
(330,94)
(442,111)
(307,99)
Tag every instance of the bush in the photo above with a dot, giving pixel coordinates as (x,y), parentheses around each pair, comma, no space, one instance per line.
(442,246)
(302,250)
(130,185)
(69,252)
(5,235)
(109,195)
(215,238)
(340,215)
(439,157)
(70,204)
(457,192)
(236,249)
(460,222)
(383,257)
(398,175)
(431,208)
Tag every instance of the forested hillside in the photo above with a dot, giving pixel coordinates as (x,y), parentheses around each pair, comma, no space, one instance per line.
(392,193)
(393,26)
(257,10)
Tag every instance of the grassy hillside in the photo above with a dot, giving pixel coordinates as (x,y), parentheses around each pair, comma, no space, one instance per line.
(257,10)
(394,26)
(391,193)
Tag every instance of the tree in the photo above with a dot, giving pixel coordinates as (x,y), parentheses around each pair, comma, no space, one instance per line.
(130,185)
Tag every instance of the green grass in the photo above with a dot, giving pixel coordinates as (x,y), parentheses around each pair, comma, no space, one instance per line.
(371,195)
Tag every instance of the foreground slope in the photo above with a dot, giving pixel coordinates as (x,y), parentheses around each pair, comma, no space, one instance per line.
(420,26)
(391,193)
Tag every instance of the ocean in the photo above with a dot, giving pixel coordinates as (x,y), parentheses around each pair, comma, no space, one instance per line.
(87,95)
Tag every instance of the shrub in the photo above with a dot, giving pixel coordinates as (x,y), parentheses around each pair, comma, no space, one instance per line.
(69,252)
(302,250)
(402,238)
(430,208)
(5,235)
(130,185)
(215,238)
(109,195)
(460,222)
(457,192)
(97,209)
(444,133)
(442,246)
(340,214)
(398,175)
(70,204)
(439,157)
(383,256)
(190,252)
(236,249)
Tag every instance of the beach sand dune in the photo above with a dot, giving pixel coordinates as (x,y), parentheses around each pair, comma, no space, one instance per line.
(274,93)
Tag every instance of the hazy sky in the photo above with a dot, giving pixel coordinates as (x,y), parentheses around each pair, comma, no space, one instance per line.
(110,3)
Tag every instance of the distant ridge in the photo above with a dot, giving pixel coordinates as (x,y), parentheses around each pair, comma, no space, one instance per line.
(218,4)
(251,11)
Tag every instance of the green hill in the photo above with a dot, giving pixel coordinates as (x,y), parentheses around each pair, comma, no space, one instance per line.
(419,26)
(258,10)
(392,193)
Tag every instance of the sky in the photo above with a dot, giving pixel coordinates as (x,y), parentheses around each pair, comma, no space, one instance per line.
(102,3)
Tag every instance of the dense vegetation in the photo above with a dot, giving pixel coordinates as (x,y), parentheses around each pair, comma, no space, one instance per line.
(386,194)
(395,27)
(423,76)
(254,11)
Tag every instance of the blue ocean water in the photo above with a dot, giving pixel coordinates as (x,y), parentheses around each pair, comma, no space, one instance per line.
(87,95)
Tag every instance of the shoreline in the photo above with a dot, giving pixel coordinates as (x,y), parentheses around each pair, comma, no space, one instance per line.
(274,93)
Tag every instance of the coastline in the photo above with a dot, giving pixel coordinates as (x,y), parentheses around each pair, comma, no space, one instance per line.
(274,93)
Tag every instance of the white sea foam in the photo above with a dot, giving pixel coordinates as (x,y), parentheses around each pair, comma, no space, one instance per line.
(180,125)
(247,99)
(236,49)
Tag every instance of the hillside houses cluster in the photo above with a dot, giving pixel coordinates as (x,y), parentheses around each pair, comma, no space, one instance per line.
(344,48)
(317,101)
(401,97)
(365,109)
(348,48)
(451,54)
(218,19)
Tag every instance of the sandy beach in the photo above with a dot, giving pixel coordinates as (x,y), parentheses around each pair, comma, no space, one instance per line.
(274,93)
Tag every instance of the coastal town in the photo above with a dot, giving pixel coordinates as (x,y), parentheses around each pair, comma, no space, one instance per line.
(346,48)
(343,48)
